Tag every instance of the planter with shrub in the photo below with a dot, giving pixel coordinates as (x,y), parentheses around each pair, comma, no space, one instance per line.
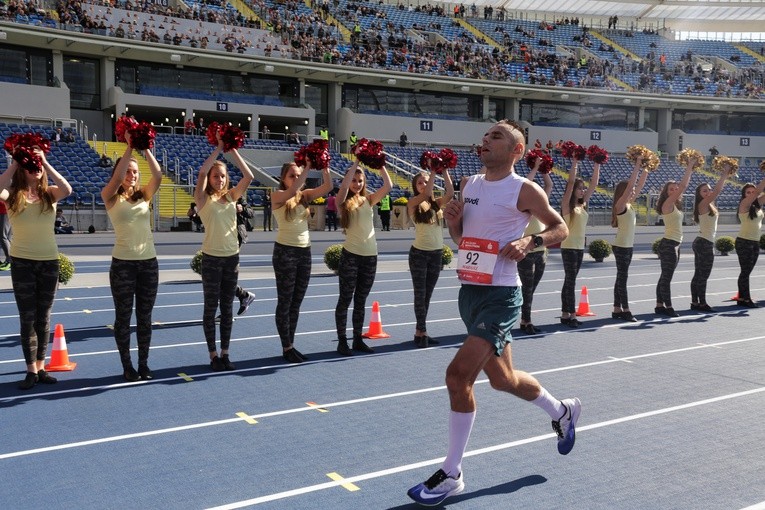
(447,256)
(196,263)
(332,257)
(599,249)
(725,244)
(65,269)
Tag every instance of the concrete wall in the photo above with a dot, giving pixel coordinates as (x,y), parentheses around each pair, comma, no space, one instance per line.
(735,145)
(611,140)
(35,101)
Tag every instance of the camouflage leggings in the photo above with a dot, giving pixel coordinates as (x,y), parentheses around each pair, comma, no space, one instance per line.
(748,252)
(34,287)
(357,275)
(219,277)
(292,268)
(425,268)
(129,278)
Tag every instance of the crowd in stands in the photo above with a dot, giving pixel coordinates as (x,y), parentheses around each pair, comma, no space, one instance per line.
(299,32)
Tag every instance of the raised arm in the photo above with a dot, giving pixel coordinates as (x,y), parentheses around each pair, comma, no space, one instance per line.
(746,202)
(593,183)
(342,193)
(156,175)
(384,190)
(419,198)
(61,188)
(280,196)
(453,215)
(326,186)
(247,176)
(683,184)
(6,178)
(200,197)
(109,192)
(712,196)
(566,199)
(448,189)
(626,197)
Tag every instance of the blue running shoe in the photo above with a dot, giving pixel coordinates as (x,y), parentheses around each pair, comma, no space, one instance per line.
(565,426)
(436,489)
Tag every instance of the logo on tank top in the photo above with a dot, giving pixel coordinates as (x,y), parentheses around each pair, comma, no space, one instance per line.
(471,201)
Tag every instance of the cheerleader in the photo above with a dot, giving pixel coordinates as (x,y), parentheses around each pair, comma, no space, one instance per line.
(358,259)
(34,255)
(220,249)
(747,242)
(532,266)
(670,206)
(292,250)
(624,218)
(574,209)
(705,215)
(425,255)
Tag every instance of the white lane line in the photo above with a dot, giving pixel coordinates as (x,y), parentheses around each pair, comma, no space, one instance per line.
(309,408)
(481,451)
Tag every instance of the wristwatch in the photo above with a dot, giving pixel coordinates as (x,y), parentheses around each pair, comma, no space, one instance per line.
(538,241)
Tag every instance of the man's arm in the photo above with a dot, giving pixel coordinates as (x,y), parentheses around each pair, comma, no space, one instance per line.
(533,200)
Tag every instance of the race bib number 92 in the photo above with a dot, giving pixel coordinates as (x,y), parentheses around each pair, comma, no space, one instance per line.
(476,260)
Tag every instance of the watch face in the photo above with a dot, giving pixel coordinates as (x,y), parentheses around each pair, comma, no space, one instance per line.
(538,241)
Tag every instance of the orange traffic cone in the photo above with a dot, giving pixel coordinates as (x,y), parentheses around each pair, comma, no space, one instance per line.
(584,304)
(375,324)
(734,298)
(59,356)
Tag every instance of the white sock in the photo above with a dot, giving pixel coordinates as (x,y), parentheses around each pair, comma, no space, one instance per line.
(460,425)
(552,405)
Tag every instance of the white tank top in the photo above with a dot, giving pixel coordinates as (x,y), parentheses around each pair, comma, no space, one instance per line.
(491,212)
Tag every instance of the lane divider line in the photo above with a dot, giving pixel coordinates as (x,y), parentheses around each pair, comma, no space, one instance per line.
(246,417)
(185,377)
(345,485)
(316,406)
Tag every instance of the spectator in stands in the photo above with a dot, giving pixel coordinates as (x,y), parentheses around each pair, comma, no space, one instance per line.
(532,267)
(624,218)
(267,211)
(713,151)
(220,250)
(383,210)
(426,252)
(669,205)
(538,144)
(747,241)
(134,272)
(266,132)
(105,161)
(61,226)
(293,138)
(58,136)
(193,215)
(549,148)
(31,207)
(292,250)
(331,212)
(188,127)
(5,237)
(574,211)
(201,126)
(352,139)
(705,215)
(358,260)
(402,140)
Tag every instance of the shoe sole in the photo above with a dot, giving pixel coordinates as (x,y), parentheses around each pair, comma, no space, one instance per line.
(436,502)
(575,412)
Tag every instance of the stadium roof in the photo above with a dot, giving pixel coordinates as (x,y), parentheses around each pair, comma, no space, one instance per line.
(695,10)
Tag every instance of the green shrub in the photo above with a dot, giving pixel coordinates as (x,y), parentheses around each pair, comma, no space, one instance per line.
(725,244)
(447,256)
(196,263)
(599,249)
(65,269)
(655,246)
(332,257)
(401,201)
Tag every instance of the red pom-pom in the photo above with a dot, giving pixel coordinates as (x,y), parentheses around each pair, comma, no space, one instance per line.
(212,133)
(122,126)
(28,160)
(545,167)
(597,154)
(11,142)
(142,136)
(449,158)
(567,149)
(317,152)
(33,140)
(429,159)
(370,152)
(579,153)
(232,137)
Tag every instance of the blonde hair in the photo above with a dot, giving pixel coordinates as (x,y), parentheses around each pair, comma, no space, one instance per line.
(293,202)
(352,202)
(17,201)
(427,210)
(209,189)
(137,193)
